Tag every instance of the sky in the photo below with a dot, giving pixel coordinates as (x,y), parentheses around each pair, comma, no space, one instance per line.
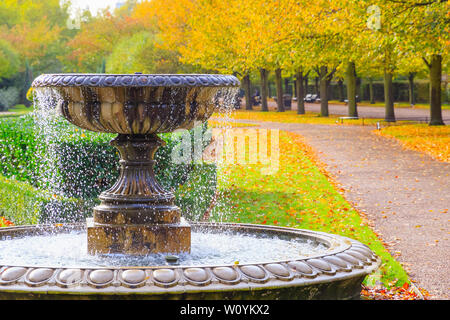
(94,5)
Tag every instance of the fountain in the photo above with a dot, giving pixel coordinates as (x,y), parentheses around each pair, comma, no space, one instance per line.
(137,223)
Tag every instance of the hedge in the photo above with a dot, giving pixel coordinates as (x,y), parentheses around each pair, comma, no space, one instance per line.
(23,205)
(78,164)
(19,152)
(195,196)
(81,164)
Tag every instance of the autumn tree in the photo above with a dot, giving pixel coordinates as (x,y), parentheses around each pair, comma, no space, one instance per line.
(9,60)
(35,32)
(424,29)
(97,38)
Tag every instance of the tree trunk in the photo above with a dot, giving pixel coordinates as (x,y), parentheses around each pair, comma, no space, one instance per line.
(341,90)
(278,80)
(300,93)
(351,90)
(412,100)
(248,95)
(264,89)
(371,93)
(323,91)
(388,97)
(435,91)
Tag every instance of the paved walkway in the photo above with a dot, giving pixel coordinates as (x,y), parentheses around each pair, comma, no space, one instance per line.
(368,111)
(405,195)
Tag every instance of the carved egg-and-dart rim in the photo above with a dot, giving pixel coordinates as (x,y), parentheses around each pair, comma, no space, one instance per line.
(135,80)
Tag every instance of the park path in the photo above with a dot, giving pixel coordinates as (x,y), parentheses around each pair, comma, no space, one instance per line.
(404,194)
(367,111)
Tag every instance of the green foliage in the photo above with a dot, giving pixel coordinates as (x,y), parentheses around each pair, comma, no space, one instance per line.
(141,53)
(8,97)
(79,165)
(19,152)
(19,202)
(195,196)
(9,60)
(23,204)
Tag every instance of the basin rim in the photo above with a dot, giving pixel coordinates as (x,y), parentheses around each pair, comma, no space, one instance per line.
(135,80)
(268,275)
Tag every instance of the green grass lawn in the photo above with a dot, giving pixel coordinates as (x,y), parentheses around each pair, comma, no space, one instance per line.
(299,195)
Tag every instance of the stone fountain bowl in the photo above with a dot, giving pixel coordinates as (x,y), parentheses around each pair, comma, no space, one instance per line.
(137,104)
(335,273)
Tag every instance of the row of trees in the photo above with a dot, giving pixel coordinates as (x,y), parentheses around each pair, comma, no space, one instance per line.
(333,39)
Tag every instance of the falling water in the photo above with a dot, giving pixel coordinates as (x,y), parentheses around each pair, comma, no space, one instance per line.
(52,129)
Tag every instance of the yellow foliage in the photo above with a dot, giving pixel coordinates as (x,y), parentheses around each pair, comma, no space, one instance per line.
(432,140)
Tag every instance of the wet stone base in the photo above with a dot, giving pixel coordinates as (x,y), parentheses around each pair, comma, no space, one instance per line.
(138,239)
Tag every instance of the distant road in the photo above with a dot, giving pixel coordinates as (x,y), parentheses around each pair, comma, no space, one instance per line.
(368,111)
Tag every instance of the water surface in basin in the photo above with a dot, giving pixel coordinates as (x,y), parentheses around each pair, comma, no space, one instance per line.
(70,250)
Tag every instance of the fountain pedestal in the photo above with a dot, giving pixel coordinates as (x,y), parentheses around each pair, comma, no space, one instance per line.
(136,216)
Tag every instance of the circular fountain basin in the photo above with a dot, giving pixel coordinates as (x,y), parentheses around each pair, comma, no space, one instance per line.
(227,261)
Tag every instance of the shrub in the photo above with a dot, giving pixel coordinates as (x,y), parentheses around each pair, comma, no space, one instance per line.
(195,196)
(70,161)
(75,166)
(24,204)
(8,97)
(30,94)
(19,152)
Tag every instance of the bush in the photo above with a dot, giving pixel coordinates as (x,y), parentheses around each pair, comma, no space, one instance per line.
(72,162)
(19,151)
(195,196)
(76,166)
(8,97)
(23,204)
(19,202)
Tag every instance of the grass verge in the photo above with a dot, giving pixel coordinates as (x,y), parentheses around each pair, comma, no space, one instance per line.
(291,116)
(301,195)
(16,111)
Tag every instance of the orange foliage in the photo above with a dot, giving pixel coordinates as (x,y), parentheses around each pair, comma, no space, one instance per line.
(98,37)
(5,223)
(432,140)
(171,17)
